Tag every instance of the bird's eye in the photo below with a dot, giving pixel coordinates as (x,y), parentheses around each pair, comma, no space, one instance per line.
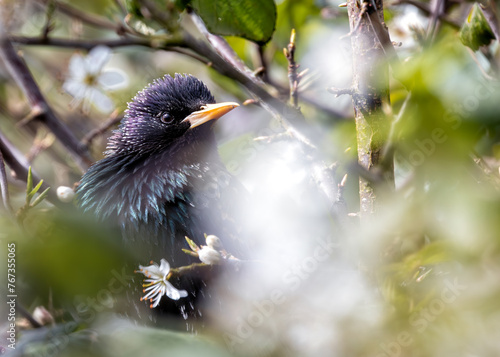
(166,118)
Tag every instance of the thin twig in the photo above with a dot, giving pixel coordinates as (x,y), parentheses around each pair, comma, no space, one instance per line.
(338,92)
(3,186)
(437,9)
(49,24)
(293,78)
(84,44)
(388,150)
(262,64)
(283,136)
(39,145)
(189,53)
(34,114)
(195,269)
(112,120)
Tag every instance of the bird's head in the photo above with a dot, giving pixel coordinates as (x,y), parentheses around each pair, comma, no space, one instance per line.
(169,110)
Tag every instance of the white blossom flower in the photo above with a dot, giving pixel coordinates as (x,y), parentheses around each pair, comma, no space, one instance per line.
(210,254)
(157,283)
(42,316)
(88,81)
(65,194)
(213,242)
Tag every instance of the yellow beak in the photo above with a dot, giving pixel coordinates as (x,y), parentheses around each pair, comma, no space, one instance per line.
(209,112)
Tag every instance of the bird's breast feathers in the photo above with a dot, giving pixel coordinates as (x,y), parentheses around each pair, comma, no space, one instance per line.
(132,194)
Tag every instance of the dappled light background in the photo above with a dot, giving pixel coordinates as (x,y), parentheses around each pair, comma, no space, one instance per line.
(420,277)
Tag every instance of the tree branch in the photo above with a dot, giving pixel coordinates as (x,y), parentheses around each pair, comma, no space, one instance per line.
(370,90)
(3,186)
(83,44)
(112,120)
(219,44)
(293,78)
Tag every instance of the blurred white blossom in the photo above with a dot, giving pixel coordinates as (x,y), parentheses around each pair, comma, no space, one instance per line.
(210,254)
(65,194)
(87,80)
(157,283)
(42,316)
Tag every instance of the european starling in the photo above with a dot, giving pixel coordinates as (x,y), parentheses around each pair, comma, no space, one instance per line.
(162,178)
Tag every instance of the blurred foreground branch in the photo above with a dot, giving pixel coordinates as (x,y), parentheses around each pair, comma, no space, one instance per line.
(3,185)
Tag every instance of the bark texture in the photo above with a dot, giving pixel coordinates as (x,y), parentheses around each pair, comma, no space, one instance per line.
(370,90)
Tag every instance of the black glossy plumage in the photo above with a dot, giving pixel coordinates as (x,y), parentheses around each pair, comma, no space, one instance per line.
(161,180)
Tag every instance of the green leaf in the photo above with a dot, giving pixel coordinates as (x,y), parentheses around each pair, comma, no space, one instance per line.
(35,190)
(192,245)
(254,20)
(41,197)
(29,185)
(476,31)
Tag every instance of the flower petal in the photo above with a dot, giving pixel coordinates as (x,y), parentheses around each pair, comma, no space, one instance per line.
(77,68)
(100,100)
(209,255)
(152,271)
(76,88)
(164,267)
(97,58)
(173,293)
(113,79)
